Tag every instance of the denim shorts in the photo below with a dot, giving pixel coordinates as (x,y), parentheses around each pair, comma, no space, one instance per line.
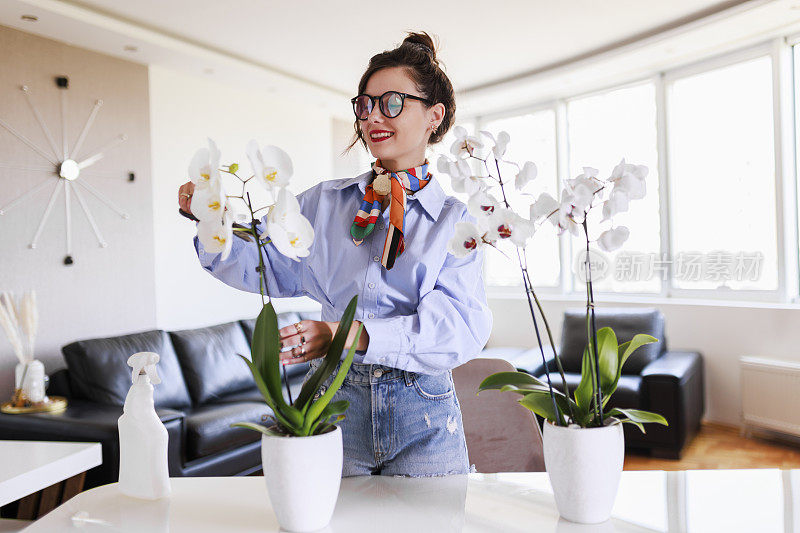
(399,423)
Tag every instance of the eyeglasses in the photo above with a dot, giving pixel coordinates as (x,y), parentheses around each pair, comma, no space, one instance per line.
(390,104)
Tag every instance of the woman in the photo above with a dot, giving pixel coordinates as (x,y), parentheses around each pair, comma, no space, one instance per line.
(424,311)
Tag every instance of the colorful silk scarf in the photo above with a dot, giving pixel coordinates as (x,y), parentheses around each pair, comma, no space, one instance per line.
(410,180)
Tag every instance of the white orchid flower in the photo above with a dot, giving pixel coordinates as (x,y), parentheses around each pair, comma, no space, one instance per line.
(630,178)
(204,166)
(618,202)
(216,235)
(293,239)
(506,224)
(443,164)
(612,239)
(466,239)
(544,206)
(286,208)
(500,145)
(526,175)
(209,202)
(464,144)
(565,221)
(272,167)
(463,180)
(290,231)
(582,196)
(482,205)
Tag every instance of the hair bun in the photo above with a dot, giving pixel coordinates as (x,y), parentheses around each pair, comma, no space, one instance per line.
(423,41)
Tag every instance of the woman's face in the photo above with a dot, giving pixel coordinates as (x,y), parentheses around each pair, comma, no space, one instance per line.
(408,132)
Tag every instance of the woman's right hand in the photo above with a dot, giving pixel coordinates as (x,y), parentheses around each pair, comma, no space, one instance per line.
(185,196)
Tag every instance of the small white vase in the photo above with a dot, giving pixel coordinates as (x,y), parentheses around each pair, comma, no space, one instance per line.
(35,380)
(584,465)
(303,475)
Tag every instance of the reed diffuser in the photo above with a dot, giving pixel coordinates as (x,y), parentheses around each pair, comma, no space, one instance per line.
(20,320)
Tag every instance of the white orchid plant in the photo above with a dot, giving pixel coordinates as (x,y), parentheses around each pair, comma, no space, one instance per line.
(497,222)
(292,234)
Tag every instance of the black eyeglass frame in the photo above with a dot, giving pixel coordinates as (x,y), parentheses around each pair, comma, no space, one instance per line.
(372,99)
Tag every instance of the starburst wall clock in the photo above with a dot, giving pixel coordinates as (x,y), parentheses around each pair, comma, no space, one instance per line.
(67,166)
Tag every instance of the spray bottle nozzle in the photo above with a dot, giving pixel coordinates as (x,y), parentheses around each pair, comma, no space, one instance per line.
(144,363)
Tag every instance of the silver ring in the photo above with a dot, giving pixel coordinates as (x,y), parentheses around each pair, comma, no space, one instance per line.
(187,195)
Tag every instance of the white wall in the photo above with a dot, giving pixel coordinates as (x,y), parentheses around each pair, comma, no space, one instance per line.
(722,332)
(107,291)
(184,111)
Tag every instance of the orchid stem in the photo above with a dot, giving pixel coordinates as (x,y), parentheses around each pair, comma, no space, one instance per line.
(528,290)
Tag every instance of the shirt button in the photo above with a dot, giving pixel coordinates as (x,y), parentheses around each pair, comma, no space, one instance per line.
(377,372)
(371,285)
(376,258)
(371,315)
(380,226)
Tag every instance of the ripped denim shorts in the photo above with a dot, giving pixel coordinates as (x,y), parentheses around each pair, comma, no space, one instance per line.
(399,422)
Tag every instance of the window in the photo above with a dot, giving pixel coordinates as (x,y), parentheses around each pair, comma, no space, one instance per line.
(722,178)
(603,129)
(533,138)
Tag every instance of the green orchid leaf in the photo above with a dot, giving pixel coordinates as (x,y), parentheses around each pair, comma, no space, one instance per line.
(644,417)
(541,404)
(500,379)
(585,389)
(328,365)
(258,427)
(315,411)
(608,360)
(266,354)
(292,425)
(626,349)
(561,400)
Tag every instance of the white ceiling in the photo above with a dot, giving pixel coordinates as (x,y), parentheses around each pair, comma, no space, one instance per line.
(330,42)
(500,55)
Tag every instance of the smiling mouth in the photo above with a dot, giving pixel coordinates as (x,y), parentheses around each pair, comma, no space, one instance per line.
(380,136)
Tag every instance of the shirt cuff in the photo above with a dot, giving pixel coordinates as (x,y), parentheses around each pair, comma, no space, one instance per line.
(388,343)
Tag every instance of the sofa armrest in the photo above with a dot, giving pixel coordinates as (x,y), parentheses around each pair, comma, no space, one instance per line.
(672,386)
(85,421)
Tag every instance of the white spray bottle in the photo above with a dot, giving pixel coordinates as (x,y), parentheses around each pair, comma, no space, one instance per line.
(143,471)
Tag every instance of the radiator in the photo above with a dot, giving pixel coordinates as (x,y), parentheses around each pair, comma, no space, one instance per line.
(770,394)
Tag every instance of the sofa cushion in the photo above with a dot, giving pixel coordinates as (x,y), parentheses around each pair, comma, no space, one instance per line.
(210,362)
(99,371)
(208,428)
(626,322)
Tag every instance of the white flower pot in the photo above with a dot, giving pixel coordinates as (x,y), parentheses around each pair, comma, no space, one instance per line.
(303,476)
(584,465)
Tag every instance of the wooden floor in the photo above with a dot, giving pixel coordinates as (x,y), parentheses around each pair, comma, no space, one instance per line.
(717,446)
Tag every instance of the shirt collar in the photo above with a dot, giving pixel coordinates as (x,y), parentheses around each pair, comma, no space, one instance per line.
(431,197)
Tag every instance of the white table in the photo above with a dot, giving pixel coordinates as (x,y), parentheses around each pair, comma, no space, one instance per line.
(27,467)
(693,501)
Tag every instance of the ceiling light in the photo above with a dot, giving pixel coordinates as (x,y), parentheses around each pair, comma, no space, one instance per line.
(131,48)
(29,18)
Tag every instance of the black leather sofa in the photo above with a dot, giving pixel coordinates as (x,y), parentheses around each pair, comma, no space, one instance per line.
(654,378)
(205,387)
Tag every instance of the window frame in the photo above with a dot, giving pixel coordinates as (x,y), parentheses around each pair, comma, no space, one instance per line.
(786,118)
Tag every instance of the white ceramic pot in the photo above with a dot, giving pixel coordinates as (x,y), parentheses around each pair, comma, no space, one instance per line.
(35,380)
(303,476)
(584,465)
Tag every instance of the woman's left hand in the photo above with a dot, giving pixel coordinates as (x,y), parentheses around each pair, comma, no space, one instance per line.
(309,339)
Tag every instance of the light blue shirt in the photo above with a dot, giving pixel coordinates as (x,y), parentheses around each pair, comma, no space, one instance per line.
(428,314)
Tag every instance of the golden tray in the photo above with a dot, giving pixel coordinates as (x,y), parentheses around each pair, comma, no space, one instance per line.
(54,403)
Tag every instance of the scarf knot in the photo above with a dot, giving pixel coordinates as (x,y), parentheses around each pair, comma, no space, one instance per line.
(403,181)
